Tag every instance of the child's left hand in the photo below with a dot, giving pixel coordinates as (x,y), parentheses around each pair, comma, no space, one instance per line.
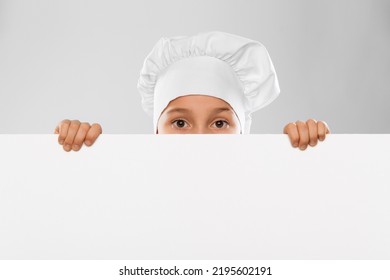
(302,134)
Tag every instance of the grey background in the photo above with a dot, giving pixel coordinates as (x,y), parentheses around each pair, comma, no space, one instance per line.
(81,59)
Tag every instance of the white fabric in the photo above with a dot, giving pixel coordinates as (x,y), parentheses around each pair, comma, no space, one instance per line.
(199,75)
(233,68)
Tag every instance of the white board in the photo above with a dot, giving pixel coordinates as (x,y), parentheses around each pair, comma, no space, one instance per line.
(195,197)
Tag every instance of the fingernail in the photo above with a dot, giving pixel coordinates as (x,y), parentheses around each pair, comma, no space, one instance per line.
(295,145)
(302,147)
(88,143)
(67,147)
(75,147)
(61,142)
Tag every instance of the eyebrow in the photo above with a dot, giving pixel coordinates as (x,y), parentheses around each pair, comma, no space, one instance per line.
(183,110)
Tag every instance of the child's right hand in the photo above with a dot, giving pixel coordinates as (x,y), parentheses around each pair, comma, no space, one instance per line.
(72,134)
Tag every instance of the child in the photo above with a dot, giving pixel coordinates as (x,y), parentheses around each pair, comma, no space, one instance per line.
(208,83)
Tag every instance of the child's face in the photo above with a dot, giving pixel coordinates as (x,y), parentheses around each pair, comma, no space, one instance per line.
(198,114)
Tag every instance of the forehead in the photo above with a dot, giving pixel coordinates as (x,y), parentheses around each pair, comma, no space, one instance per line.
(198,101)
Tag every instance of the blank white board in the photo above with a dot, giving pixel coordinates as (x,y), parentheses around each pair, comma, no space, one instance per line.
(195,197)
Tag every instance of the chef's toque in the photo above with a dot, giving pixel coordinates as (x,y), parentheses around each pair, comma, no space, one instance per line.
(230,67)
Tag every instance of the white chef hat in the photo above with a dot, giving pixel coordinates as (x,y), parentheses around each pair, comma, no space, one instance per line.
(230,67)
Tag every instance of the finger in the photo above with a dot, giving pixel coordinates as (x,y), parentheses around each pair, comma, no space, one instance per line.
(57,130)
(72,131)
(313,133)
(303,135)
(322,130)
(327,127)
(80,136)
(63,130)
(292,131)
(93,134)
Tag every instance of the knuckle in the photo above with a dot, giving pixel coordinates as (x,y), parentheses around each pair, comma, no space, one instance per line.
(303,127)
(323,124)
(98,127)
(311,121)
(66,121)
(290,125)
(73,128)
(84,127)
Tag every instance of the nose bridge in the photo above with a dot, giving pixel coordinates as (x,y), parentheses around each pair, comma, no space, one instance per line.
(201,129)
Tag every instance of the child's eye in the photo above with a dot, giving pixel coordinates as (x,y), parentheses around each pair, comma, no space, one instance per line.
(179,123)
(221,123)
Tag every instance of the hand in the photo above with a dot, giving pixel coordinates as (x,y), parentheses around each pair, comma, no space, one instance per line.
(72,134)
(301,134)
